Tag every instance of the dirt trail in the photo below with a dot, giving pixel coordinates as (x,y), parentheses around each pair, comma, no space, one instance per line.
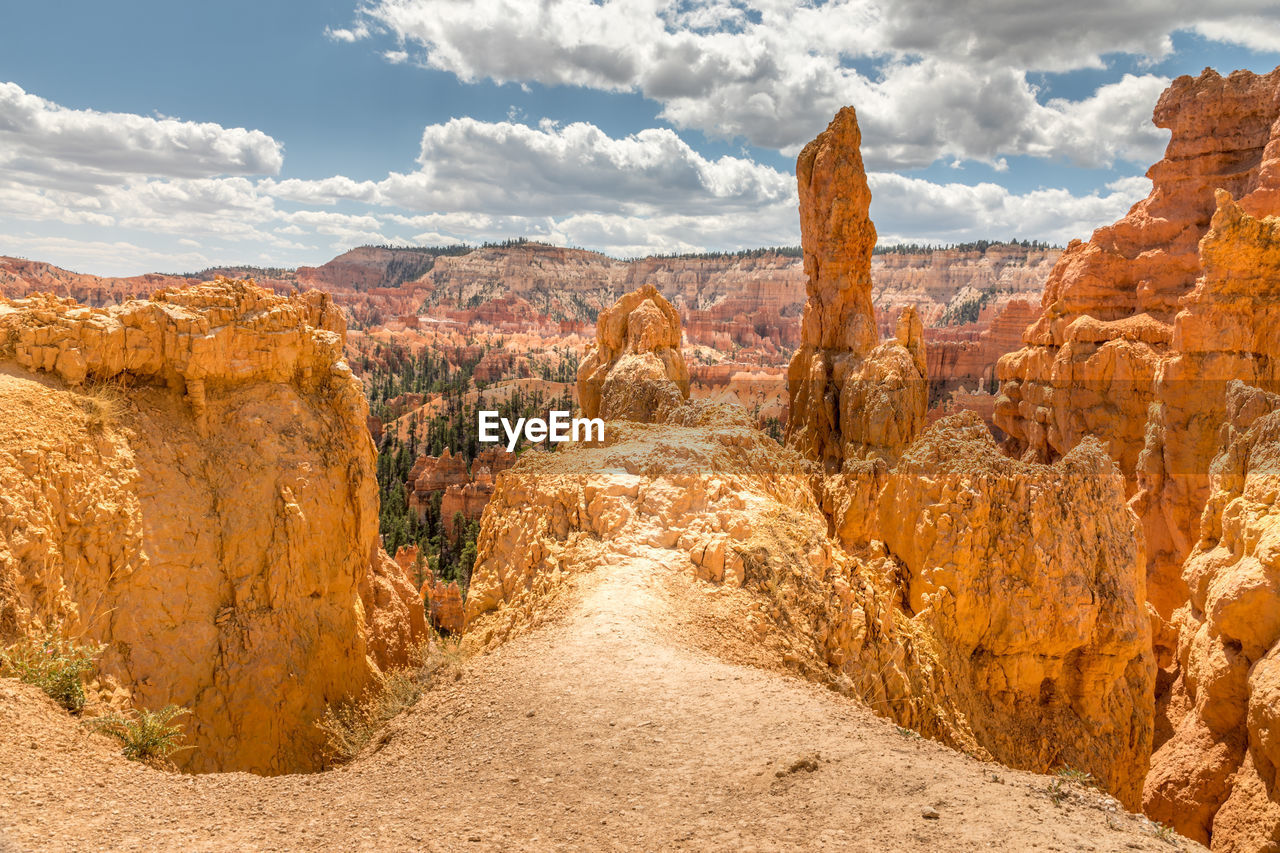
(606,730)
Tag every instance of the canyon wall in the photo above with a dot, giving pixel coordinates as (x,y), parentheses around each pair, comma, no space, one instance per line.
(1215,779)
(1123,327)
(190,481)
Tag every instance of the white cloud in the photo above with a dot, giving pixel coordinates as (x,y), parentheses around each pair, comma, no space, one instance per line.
(502,167)
(38,137)
(932,79)
(101,257)
(570,184)
(1254,32)
(912,209)
(353,34)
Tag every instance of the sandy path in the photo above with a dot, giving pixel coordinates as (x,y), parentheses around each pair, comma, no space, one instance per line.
(601,732)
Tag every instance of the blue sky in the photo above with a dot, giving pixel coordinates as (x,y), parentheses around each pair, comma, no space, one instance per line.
(158,136)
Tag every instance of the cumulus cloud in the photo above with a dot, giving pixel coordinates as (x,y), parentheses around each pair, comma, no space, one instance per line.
(571,184)
(39,136)
(912,209)
(1254,32)
(933,79)
(466,165)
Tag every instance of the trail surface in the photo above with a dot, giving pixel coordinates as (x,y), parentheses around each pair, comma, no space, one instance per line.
(605,730)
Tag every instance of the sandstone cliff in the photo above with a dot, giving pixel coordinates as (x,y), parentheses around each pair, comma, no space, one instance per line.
(1228,329)
(1029,580)
(1109,304)
(190,481)
(1216,777)
(1146,313)
(851,397)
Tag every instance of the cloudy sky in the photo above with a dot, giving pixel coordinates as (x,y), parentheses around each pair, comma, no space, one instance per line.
(148,135)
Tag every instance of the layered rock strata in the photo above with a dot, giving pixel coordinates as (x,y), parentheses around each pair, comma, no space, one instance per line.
(1155,313)
(190,481)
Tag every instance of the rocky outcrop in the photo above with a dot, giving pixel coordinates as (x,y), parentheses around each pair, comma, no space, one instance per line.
(1228,329)
(635,371)
(190,481)
(1030,581)
(1215,779)
(851,397)
(432,474)
(1126,331)
(1109,304)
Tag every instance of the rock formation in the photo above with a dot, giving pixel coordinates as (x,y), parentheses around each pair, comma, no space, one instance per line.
(1030,581)
(1110,341)
(1060,675)
(190,481)
(1216,777)
(851,397)
(635,371)
(432,474)
(1228,328)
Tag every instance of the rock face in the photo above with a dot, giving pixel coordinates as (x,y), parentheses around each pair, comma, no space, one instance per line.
(1110,340)
(1216,777)
(1109,304)
(1030,580)
(635,371)
(208,510)
(851,398)
(1228,329)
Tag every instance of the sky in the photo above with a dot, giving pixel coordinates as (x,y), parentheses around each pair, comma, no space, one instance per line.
(146,136)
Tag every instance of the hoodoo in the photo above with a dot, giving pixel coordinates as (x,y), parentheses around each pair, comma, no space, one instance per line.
(851,396)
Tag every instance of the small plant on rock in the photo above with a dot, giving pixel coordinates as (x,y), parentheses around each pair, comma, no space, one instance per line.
(147,736)
(1078,777)
(54,664)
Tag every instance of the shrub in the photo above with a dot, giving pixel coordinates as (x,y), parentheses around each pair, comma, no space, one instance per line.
(54,664)
(148,736)
(1079,777)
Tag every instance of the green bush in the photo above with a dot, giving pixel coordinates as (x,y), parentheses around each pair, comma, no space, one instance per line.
(54,664)
(145,735)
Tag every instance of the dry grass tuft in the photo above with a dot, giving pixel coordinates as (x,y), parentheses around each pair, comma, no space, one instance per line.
(351,726)
(102,404)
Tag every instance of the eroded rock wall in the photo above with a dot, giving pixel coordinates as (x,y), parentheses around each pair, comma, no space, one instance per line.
(1142,326)
(1109,304)
(1215,779)
(190,481)
(1031,581)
